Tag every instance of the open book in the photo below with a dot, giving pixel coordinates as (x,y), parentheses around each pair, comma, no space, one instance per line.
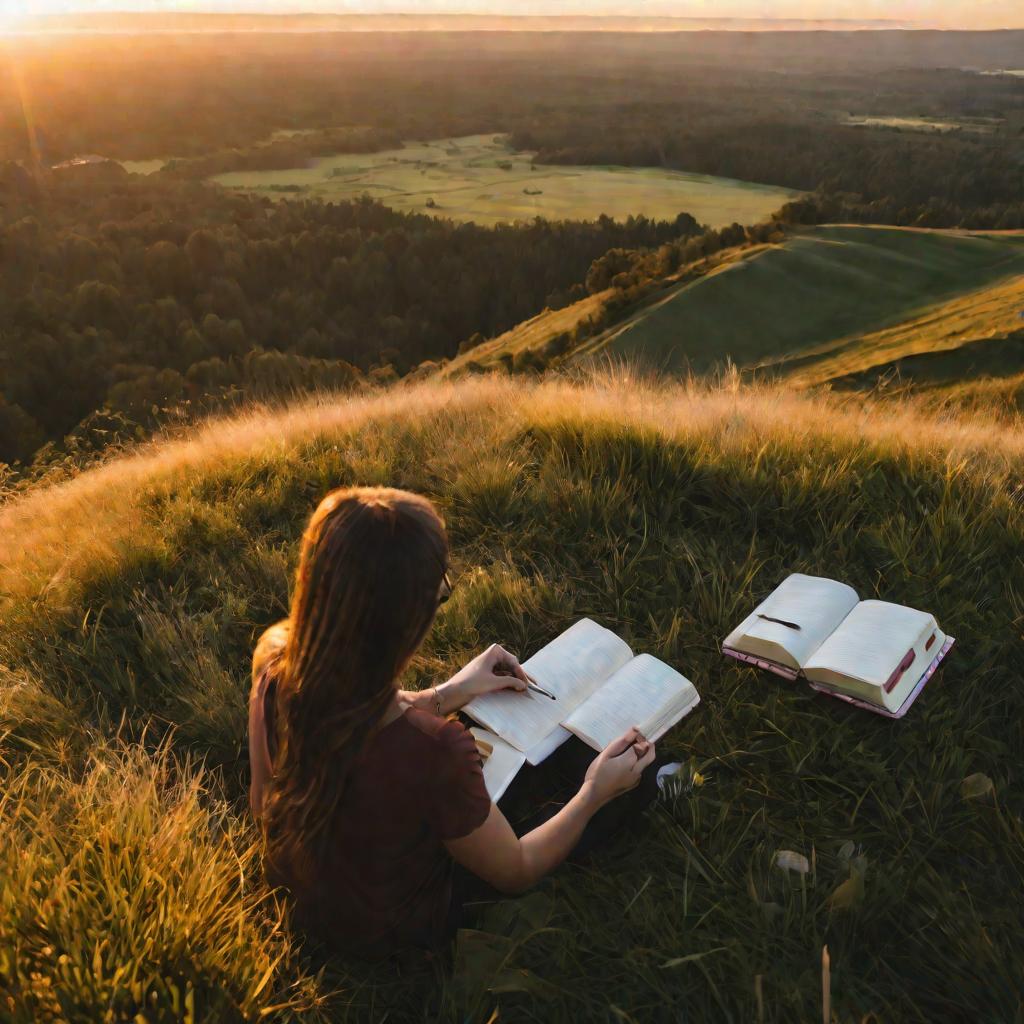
(501,761)
(600,690)
(871,653)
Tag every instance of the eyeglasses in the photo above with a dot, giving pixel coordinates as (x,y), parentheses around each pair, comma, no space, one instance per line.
(446,588)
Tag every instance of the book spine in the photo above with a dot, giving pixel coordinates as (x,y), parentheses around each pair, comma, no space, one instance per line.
(911,697)
(769,666)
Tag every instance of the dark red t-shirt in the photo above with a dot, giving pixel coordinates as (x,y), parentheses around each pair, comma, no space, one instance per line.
(387,880)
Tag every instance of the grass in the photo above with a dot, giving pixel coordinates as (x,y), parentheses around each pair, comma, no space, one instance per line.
(941,345)
(142,166)
(134,593)
(481,178)
(979,125)
(845,282)
(1004,393)
(532,334)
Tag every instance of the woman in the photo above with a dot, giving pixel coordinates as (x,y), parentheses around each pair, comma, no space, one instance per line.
(368,795)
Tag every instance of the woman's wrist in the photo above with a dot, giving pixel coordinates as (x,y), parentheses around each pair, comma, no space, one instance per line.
(431,700)
(590,799)
(453,695)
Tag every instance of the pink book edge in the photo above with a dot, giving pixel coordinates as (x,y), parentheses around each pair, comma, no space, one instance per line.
(790,674)
(769,666)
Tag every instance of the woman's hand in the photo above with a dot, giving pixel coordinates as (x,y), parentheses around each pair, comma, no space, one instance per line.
(495,669)
(617,769)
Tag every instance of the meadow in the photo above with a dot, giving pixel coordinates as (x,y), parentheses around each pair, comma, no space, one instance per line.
(829,302)
(129,879)
(482,178)
(925,124)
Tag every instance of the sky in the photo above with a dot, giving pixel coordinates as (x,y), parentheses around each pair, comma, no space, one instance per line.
(936,13)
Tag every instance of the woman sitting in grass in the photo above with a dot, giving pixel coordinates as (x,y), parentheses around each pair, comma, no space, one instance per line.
(368,794)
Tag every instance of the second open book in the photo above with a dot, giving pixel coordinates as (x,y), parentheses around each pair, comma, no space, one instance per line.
(601,690)
(873,654)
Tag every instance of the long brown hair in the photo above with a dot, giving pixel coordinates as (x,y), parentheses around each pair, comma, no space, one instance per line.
(366,593)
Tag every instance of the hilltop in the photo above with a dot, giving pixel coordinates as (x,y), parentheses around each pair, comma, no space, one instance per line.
(841,305)
(133,595)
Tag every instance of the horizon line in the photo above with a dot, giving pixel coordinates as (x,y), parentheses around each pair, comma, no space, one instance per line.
(59,23)
(143,21)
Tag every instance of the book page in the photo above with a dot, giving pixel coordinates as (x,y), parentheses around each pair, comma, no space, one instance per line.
(572,666)
(646,693)
(503,764)
(871,643)
(543,749)
(815,604)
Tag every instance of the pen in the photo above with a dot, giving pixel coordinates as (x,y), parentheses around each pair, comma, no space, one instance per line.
(531,685)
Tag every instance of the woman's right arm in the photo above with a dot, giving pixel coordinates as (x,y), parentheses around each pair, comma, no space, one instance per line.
(494,853)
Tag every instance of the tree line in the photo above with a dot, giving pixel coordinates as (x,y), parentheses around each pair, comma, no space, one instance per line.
(128,294)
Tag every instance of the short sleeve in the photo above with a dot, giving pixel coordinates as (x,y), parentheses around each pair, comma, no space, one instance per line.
(262,726)
(459,802)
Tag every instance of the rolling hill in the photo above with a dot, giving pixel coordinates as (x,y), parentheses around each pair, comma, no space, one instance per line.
(130,883)
(839,305)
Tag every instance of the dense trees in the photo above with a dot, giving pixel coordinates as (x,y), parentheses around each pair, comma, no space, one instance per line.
(133,293)
(965,179)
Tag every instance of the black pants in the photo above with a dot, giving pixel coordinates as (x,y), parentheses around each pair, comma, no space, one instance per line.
(558,778)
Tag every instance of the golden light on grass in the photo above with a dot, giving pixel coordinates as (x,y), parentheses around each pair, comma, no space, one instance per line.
(131,596)
(75,527)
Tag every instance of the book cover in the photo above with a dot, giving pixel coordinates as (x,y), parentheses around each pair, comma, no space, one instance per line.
(792,675)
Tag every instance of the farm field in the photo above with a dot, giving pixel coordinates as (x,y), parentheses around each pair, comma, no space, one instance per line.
(142,166)
(814,297)
(981,125)
(480,178)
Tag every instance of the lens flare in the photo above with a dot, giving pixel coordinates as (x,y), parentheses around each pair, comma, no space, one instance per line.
(21,91)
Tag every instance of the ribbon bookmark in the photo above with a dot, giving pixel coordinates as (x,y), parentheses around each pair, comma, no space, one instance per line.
(908,660)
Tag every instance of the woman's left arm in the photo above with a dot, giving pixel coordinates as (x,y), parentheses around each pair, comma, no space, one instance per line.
(494,669)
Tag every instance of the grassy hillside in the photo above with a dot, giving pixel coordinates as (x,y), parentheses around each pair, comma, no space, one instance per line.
(962,339)
(807,304)
(129,878)
(531,335)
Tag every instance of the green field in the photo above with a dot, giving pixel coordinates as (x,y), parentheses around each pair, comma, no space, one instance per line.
(130,885)
(142,166)
(980,125)
(481,178)
(784,308)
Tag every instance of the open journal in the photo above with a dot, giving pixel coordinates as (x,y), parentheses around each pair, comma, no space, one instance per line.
(600,690)
(873,654)
(501,761)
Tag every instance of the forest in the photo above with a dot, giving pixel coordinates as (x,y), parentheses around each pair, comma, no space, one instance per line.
(134,294)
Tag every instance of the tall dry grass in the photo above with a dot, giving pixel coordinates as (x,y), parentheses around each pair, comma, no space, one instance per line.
(62,533)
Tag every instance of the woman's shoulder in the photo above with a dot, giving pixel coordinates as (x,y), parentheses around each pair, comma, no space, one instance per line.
(447,738)
(269,649)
